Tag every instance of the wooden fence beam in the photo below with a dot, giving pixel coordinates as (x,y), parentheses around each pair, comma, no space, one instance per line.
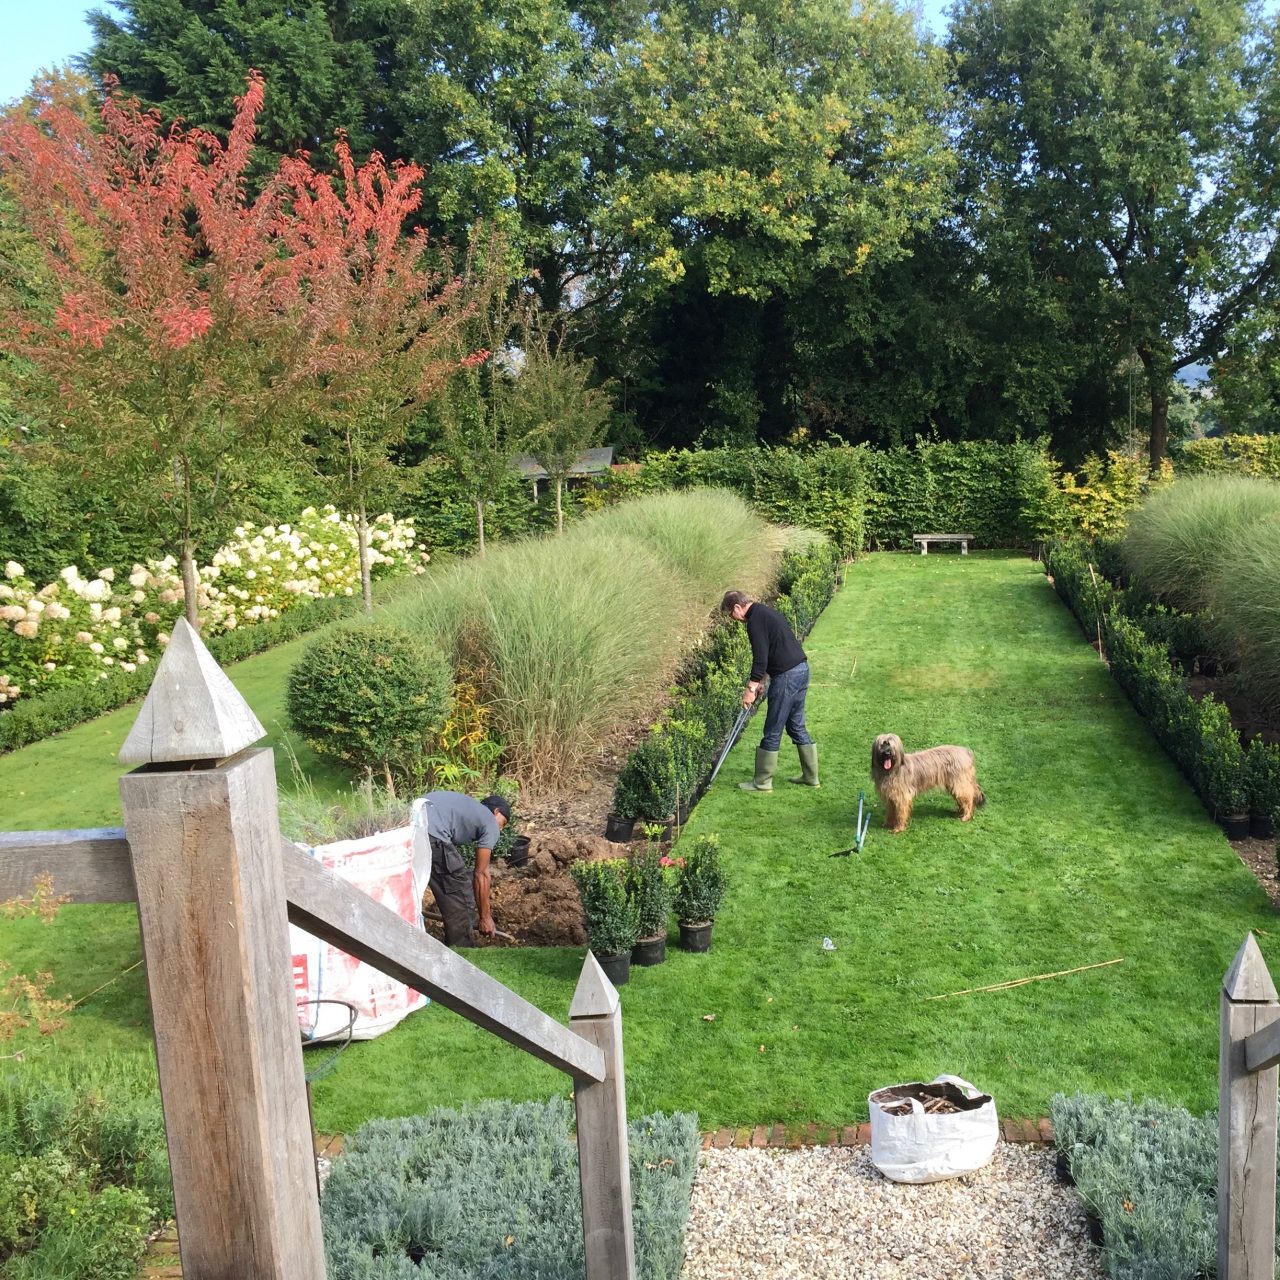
(87,866)
(205,840)
(604,1161)
(330,909)
(1246,1123)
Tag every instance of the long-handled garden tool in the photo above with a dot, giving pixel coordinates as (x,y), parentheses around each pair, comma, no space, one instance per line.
(743,716)
(860,827)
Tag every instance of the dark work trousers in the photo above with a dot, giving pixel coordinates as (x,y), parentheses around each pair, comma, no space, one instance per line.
(785,709)
(451,886)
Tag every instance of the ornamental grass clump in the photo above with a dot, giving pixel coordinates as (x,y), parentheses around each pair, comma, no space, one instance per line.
(700,881)
(572,638)
(1179,539)
(1244,599)
(612,918)
(709,536)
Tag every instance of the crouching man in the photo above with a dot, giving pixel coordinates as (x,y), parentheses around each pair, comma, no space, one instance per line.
(463,900)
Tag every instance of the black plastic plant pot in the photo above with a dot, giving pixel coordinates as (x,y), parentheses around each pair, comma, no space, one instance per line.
(619,829)
(668,826)
(682,814)
(519,854)
(649,951)
(696,937)
(1262,826)
(617,968)
(1236,825)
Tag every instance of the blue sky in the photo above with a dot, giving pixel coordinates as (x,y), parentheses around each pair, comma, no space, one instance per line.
(43,33)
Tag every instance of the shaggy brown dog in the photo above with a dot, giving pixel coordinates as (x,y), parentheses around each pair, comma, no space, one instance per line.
(900,778)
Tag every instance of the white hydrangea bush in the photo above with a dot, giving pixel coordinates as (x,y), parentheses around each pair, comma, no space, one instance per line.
(78,628)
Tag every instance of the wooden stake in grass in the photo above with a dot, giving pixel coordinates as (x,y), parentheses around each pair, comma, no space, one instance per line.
(1020,982)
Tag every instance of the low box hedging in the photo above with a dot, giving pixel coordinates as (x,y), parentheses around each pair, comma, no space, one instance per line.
(41,716)
(1148,1173)
(492,1190)
(666,769)
(1198,735)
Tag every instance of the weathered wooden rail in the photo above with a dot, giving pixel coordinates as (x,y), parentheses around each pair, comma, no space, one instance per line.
(202,855)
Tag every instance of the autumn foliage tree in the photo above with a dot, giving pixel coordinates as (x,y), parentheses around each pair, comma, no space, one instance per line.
(163,335)
(390,319)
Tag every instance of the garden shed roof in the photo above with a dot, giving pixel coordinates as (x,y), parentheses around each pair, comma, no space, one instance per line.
(591,462)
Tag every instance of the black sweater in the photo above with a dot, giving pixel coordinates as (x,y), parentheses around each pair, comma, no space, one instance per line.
(774,647)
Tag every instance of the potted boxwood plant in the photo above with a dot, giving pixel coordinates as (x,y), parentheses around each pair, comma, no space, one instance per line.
(620,824)
(1221,769)
(700,888)
(647,889)
(611,918)
(1262,782)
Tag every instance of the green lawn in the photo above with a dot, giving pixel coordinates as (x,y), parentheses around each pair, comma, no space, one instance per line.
(1090,847)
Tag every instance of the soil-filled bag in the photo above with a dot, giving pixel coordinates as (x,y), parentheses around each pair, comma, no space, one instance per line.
(928,1132)
(331,986)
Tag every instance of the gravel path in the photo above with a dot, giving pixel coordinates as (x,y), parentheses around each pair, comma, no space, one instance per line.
(824,1213)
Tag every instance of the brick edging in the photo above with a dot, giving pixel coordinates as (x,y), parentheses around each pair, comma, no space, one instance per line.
(1029,1132)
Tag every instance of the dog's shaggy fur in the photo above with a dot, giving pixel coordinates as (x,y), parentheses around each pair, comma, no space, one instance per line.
(900,777)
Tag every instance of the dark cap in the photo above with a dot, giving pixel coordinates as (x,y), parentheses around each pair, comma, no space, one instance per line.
(496,804)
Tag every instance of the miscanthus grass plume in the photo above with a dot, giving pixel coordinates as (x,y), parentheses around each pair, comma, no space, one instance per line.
(574,637)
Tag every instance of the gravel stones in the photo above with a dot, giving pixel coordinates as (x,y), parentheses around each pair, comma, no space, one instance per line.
(825,1213)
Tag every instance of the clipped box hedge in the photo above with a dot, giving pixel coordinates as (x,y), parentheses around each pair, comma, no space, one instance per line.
(491,1190)
(1145,646)
(664,771)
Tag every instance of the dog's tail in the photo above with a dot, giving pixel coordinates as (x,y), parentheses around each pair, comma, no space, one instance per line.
(980,799)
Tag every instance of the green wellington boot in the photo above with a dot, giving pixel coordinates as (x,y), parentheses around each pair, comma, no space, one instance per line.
(809,766)
(766,763)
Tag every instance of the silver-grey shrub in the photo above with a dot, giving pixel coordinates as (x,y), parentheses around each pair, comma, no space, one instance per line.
(1149,1173)
(492,1189)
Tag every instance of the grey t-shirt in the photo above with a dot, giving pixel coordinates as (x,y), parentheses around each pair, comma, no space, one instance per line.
(459,819)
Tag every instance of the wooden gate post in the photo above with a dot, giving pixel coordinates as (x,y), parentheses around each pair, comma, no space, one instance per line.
(203,830)
(1246,1123)
(604,1162)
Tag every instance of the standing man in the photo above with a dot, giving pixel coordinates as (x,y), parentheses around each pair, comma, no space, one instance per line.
(454,819)
(776,653)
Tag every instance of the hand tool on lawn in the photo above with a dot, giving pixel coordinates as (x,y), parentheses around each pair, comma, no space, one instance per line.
(861,826)
(743,716)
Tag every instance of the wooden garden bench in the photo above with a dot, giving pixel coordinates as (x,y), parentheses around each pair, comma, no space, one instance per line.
(923,540)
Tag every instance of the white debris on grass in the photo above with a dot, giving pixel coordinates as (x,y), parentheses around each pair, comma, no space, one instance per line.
(825,1213)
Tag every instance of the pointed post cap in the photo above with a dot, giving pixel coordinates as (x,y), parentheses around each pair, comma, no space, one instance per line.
(192,710)
(595,996)
(1248,981)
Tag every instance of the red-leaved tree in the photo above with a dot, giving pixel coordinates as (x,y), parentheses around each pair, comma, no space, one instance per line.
(391,320)
(165,335)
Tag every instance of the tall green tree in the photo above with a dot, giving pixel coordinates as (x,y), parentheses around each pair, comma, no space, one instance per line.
(327,65)
(1124,147)
(773,155)
(501,105)
(558,409)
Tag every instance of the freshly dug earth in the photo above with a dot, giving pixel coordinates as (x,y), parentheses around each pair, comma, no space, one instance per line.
(538,903)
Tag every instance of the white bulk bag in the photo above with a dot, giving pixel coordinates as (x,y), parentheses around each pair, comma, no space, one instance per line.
(382,866)
(923,1147)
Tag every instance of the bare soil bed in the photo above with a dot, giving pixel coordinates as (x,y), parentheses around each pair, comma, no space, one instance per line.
(537,904)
